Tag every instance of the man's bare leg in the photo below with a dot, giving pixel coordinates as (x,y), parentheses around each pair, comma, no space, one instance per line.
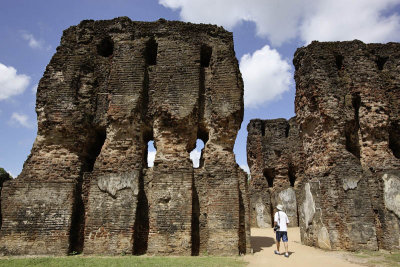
(286,247)
(277,245)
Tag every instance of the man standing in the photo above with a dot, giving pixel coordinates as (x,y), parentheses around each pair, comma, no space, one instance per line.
(281,221)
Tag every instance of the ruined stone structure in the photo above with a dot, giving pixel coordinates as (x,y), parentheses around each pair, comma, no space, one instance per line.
(343,158)
(275,158)
(348,111)
(112,87)
(4,176)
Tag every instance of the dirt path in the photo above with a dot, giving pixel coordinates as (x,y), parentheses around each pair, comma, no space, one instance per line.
(263,243)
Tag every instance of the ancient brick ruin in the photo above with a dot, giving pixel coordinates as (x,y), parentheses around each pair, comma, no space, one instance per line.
(275,158)
(348,116)
(348,110)
(4,176)
(112,87)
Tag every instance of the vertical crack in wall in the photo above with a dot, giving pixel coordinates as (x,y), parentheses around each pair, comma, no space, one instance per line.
(271,211)
(242,225)
(141,225)
(205,59)
(202,134)
(352,127)
(378,216)
(195,235)
(93,149)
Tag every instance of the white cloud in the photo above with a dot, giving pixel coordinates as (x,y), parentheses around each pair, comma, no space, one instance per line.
(280,21)
(361,20)
(11,83)
(195,157)
(20,119)
(265,75)
(32,41)
(151,155)
(34,88)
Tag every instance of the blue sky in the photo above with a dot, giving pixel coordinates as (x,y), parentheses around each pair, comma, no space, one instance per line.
(266,35)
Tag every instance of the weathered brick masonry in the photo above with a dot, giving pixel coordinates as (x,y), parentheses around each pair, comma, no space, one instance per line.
(343,158)
(276,162)
(112,87)
(4,176)
(348,110)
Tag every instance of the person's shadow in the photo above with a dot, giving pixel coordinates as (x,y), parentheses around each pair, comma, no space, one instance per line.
(259,242)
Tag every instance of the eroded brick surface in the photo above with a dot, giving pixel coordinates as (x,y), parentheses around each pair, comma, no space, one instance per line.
(275,158)
(111,87)
(347,107)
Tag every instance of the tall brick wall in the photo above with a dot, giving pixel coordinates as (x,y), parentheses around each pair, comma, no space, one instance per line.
(275,158)
(112,87)
(347,107)
(4,176)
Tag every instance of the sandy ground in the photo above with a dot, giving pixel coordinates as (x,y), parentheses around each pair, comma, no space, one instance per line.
(263,243)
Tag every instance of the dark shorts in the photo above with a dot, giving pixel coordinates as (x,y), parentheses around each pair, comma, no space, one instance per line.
(282,235)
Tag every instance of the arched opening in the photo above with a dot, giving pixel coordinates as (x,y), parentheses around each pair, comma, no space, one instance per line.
(394,139)
(352,127)
(269,175)
(205,56)
(150,52)
(141,226)
(380,62)
(106,47)
(339,61)
(151,154)
(196,154)
(197,158)
(262,128)
(287,130)
(292,174)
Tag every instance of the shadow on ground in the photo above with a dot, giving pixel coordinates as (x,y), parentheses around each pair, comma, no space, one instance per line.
(259,242)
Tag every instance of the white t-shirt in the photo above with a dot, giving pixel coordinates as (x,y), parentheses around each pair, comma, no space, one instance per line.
(284,220)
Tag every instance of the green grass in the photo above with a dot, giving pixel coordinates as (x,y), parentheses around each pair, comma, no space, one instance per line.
(394,257)
(381,257)
(122,261)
